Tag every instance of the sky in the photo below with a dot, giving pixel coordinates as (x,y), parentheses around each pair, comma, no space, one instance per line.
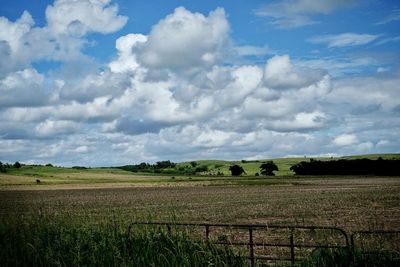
(106,83)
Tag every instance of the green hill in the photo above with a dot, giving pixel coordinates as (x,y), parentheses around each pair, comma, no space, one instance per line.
(206,167)
(253,166)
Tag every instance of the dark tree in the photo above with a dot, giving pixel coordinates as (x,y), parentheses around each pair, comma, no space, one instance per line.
(17,165)
(236,170)
(268,168)
(201,168)
(165,164)
(348,167)
(2,167)
(193,163)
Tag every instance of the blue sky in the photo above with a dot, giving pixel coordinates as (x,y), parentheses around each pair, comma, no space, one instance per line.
(100,82)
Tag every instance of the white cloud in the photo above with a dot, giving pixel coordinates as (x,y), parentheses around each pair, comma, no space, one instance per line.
(345,140)
(185,40)
(388,40)
(79,17)
(12,33)
(344,39)
(127,60)
(82,149)
(301,121)
(22,89)
(61,39)
(55,128)
(185,102)
(363,91)
(394,16)
(298,13)
(342,66)
(280,73)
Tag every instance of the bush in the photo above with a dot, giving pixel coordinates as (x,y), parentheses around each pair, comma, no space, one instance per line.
(2,167)
(236,170)
(17,165)
(201,168)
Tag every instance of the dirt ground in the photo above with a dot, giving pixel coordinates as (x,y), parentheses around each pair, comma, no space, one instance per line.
(353,203)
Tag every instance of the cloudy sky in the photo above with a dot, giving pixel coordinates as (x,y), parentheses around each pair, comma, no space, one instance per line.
(100,82)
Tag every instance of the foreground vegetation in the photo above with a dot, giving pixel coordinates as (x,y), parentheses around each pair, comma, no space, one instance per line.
(49,241)
(43,241)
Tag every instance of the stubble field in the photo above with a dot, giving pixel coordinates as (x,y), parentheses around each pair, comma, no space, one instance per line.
(353,203)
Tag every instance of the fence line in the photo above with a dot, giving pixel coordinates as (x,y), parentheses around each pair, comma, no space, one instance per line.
(251,244)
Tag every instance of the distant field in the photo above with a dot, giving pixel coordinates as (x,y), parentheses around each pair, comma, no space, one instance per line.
(60,175)
(68,204)
(350,202)
(96,194)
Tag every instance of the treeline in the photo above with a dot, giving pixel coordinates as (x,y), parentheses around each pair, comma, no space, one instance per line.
(5,166)
(348,167)
(158,167)
(166,167)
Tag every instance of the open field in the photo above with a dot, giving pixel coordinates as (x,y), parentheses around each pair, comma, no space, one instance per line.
(349,202)
(88,211)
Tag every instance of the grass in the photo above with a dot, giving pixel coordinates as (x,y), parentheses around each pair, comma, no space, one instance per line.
(345,257)
(99,175)
(43,241)
(49,240)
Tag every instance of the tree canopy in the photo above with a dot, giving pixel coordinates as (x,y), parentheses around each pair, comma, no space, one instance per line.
(268,168)
(236,170)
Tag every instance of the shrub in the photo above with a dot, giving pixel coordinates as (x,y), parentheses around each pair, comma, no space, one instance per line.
(17,165)
(236,170)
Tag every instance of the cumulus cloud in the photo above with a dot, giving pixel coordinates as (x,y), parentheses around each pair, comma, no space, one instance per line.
(280,73)
(185,39)
(56,128)
(298,13)
(363,92)
(169,94)
(344,39)
(127,60)
(22,89)
(345,139)
(61,38)
(77,18)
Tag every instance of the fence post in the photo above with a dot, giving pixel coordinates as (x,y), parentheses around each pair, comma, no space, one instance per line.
(207,232)
(291,246)
(251,247)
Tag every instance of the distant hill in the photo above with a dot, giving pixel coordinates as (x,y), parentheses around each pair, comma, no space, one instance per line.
(253,166)
(205,167)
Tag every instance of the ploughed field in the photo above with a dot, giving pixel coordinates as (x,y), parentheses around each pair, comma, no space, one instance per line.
(353,203)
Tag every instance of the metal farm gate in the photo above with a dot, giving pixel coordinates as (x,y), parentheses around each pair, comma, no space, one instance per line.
(264,243)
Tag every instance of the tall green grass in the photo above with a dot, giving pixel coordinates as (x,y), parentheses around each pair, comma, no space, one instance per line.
(45,242)
(345,257)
